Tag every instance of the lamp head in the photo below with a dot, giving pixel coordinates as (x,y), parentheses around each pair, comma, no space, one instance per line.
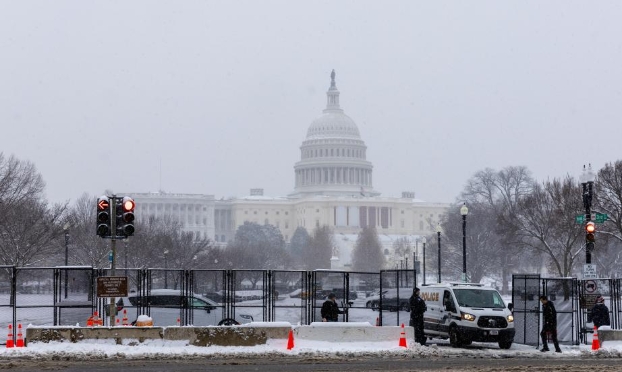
(464,210)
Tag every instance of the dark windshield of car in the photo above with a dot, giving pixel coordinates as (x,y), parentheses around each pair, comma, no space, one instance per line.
(471,297)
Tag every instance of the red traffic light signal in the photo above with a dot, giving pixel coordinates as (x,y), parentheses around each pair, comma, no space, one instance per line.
(128,204)
(126,222)
(590,229)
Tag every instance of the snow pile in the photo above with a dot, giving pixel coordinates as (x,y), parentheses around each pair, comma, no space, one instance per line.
(160,349)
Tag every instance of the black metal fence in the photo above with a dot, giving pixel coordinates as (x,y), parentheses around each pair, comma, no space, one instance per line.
(68,296)
(573,301)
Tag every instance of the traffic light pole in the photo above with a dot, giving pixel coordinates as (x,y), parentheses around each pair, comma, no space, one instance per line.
(113,248)
(588,188)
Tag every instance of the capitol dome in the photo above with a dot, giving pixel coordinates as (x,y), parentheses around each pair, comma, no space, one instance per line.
(333,124)
(333,155)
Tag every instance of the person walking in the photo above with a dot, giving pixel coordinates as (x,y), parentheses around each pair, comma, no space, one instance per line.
(549,316)
(417,309)
(600,313)
(330,311)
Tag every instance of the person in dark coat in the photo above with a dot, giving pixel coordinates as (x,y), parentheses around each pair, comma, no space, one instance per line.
(330,310)
(549,317)
(417,308)
(600,313)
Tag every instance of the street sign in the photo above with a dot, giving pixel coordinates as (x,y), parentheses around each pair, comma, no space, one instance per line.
(590,286)
(598,218)
(589,271)
(601,218)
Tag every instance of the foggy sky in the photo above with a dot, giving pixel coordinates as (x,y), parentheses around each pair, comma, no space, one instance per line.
(215,97)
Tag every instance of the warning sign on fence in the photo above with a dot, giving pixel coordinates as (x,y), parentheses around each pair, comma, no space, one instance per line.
(587,301)
(112,286)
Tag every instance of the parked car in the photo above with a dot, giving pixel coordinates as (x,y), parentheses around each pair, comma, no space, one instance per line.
(390,300)
(166,305)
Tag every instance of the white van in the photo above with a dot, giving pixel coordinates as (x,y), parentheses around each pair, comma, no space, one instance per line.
(166,306)
(467,312)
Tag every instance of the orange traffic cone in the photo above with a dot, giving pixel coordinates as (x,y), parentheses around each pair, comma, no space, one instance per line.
(20,338)
(125,317)
(178,322)
(9,339)
(97,321)
(290,340)
(595,343)
(403,337)
(89,321)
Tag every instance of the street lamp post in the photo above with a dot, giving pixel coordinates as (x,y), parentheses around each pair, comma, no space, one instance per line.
(423,240)
(587,181)
(66,230)
(165,269)
(438,233)
(464,211)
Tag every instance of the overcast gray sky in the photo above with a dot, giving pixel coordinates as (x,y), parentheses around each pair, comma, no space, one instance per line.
(215,97)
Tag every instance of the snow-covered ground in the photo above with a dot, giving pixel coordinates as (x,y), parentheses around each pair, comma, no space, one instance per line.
(103,349)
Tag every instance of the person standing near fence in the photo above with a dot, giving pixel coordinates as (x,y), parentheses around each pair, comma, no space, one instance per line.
(330,311)
(417,309)
(600,313)
(549,327)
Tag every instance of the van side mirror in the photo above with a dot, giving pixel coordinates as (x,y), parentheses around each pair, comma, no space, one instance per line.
(511,306)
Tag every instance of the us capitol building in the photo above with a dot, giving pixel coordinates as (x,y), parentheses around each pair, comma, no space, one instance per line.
(333,187)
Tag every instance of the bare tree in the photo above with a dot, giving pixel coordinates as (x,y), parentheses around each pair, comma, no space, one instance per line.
(497,195)
(545,223)
(608,200)
(30,229)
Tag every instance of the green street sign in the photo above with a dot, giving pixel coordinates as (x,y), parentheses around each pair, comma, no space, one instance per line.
(600,218)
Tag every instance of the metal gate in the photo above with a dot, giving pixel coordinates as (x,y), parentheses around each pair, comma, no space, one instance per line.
(525,299)
(562,292)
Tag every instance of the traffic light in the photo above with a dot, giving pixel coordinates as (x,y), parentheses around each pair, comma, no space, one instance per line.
(590,229)
(125,216)
(103,216)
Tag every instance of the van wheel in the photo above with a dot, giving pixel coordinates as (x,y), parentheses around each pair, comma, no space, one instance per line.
(405,307)
(505,344)
(454,337)
(228,322)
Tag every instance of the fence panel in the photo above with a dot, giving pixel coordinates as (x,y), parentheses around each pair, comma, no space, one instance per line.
(588,290)
(363,289)
(562,292)
(74,295)
(525,299)
(396,287)
(288,304)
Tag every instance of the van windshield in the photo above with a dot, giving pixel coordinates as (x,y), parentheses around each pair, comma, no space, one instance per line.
(479,298)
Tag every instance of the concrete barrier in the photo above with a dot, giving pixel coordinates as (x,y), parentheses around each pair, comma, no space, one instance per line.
(256,333)
(608,334)
(244,335)
(351,332)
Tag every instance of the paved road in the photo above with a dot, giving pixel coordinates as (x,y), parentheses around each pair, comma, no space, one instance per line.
(313,363)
